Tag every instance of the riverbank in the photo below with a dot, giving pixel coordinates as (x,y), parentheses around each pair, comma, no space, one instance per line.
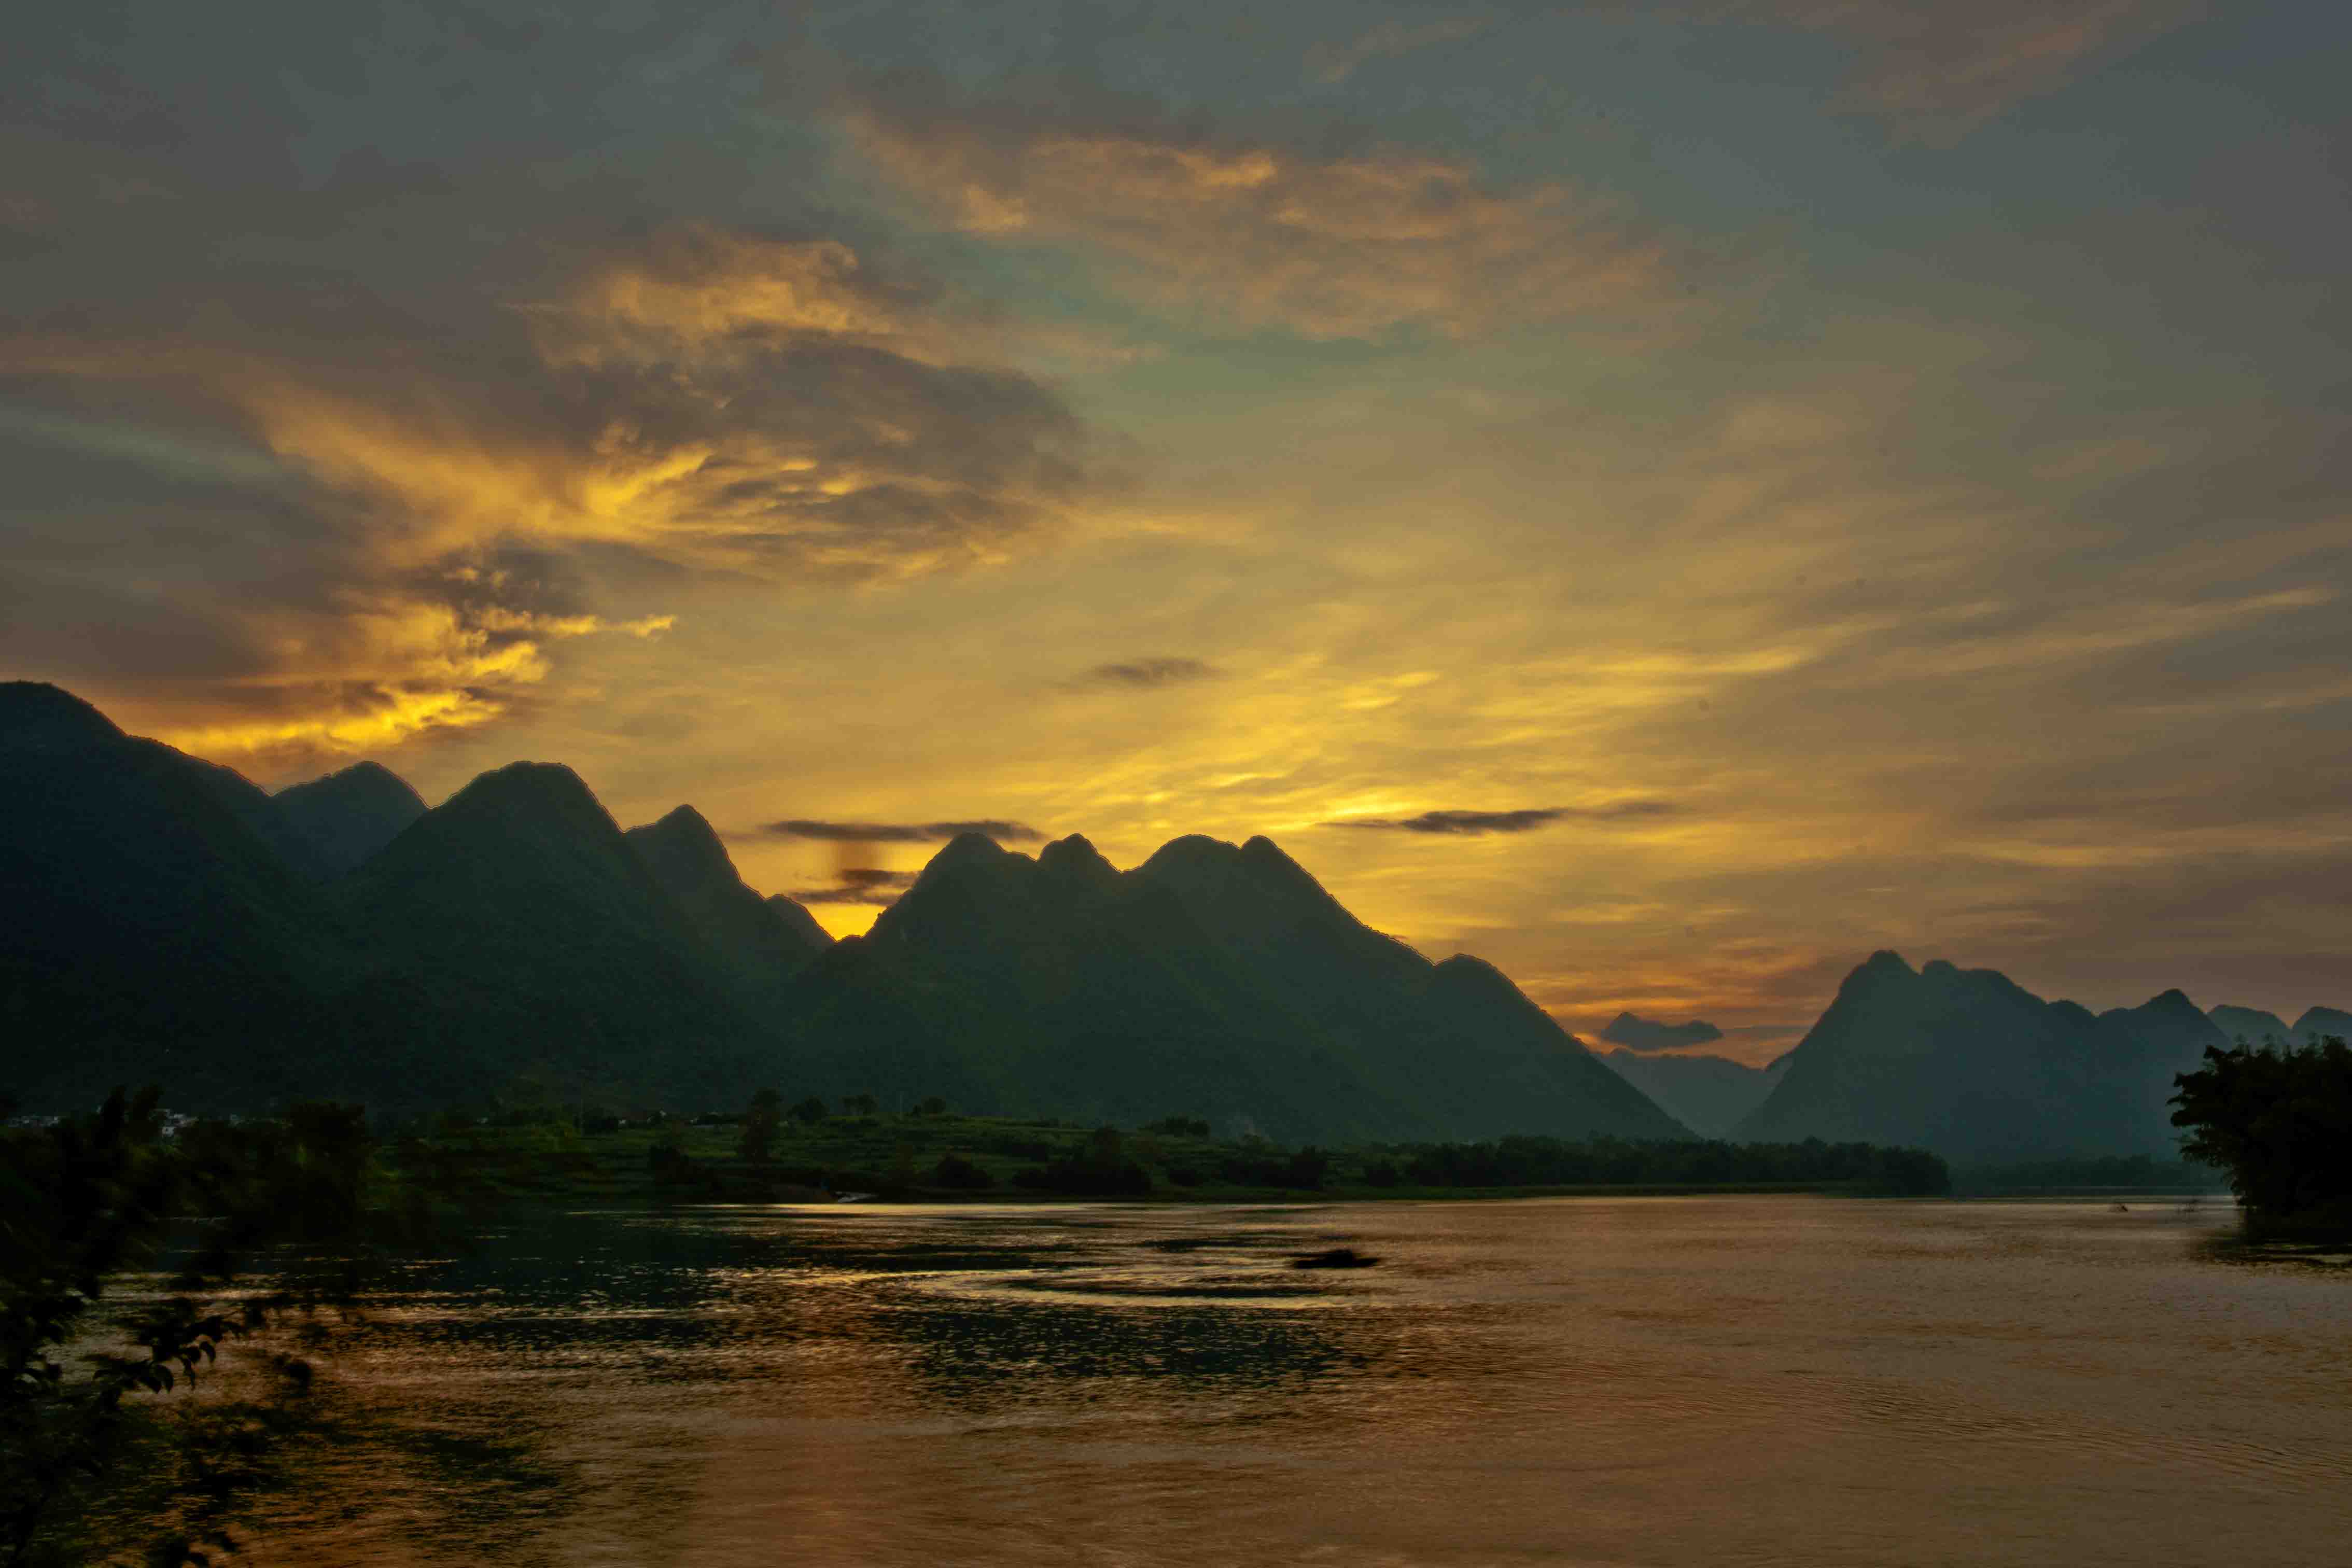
(990,1160)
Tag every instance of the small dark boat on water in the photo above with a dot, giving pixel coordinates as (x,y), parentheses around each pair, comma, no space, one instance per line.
(1336,1258)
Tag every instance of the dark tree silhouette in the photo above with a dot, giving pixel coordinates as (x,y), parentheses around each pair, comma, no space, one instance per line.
(960,1174)
(762,1122)
(2278,1120)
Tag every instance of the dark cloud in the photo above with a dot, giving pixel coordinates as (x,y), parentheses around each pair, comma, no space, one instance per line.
(1520,821)
(1145,674)
(860,885)
(895,832)
(1637,1032)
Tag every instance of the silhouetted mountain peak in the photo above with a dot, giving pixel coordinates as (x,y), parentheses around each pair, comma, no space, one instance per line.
(2173,1008)
(36,715)
(349,814)
(1469,976)
(2251,1025)
(972,876)
(1209,873)
(2319,1021)
(536,794)
(1190,855)
(1076,862)
(369,777)
(763,940)
(1197,868)
(969,849)
(1879,971)
(684,845)
(1467,969)
(1273,870)
(971,859)
(527,784)
(800,922)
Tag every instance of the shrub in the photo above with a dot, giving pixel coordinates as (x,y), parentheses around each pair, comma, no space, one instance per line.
(960,1174)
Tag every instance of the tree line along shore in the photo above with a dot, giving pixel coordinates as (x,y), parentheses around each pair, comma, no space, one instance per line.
(810,1152)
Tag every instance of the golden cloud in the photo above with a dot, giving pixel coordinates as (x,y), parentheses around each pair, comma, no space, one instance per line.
(383,670)
(721,403)
(1329,248)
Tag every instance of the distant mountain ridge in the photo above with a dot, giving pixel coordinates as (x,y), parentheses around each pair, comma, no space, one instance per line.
(1708,1094)
(1972,1066)
(2255,1027)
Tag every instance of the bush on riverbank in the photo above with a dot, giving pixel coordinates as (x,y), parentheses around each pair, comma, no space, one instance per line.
(2278,1120)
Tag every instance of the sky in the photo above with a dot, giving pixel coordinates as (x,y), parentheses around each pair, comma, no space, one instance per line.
(1668,498)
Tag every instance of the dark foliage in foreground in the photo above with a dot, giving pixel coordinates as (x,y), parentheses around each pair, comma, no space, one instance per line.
(1608,1162)
(91,1200)
(2278,1120)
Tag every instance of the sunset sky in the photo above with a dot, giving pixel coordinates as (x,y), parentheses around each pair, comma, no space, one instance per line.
(1667,497)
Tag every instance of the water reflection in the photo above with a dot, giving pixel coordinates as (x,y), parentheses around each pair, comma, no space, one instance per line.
(1655,1381)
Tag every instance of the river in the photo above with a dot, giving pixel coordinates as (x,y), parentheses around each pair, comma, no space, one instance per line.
(1761,1380)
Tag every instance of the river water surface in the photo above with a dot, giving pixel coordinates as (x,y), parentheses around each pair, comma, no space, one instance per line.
(1651,1381)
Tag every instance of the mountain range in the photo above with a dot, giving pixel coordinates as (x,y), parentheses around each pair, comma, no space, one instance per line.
(170,922)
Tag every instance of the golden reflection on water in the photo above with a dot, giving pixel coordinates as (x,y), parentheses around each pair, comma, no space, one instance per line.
(1660,1381)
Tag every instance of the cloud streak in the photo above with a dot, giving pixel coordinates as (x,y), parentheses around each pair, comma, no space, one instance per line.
(895,832)
(1523,820)
(1149,674)
(1639,1034)
(860,885)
